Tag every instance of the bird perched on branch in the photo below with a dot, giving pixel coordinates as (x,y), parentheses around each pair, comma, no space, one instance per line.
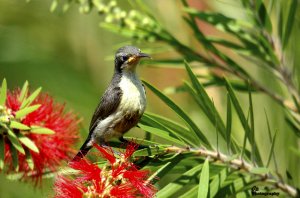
(122,104)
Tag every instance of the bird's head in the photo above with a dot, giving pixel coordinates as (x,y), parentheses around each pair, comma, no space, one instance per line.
(128,57)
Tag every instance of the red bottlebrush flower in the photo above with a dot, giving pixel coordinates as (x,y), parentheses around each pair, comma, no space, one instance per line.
(118,178)
(52,148)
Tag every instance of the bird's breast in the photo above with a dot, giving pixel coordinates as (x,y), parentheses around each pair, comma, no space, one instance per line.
(133,94)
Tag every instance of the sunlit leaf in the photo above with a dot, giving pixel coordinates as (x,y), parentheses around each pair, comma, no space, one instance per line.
(26,102)
(41,130)
(24,91)
(28,143)
(3,91)
(27,110)
(204,180)
(18,125)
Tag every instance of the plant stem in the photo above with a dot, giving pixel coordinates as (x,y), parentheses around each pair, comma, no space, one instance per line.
(237,164)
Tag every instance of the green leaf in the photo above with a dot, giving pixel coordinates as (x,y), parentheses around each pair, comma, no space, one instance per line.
(28,143)
(290,22)
(272,149)
(260,170)
(166,168)
(181,113)
(217,182)
(204,180)
(15,142)
(264,17)
(174,128)
(228,123)
(41,130)
(26,102)
(152,150)
(29,159)
(2,152)
(27,110)
(24,91)
(3,92)
(178,183)
(15,158)
(252,126)
(18,125)
(248,132)
(206,104)
(161,133)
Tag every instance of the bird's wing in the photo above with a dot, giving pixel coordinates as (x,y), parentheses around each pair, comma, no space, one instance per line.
(108,105)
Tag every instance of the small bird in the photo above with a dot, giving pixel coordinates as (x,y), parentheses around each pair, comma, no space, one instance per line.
(122,104)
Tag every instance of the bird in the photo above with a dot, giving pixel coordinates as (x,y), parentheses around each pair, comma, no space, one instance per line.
(122,104)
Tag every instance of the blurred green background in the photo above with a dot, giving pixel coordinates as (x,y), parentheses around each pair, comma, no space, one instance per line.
(72,59)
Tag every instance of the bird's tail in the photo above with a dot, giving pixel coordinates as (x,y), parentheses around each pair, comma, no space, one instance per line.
(84,149)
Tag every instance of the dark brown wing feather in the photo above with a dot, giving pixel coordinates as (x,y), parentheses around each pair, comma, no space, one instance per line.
(108,105)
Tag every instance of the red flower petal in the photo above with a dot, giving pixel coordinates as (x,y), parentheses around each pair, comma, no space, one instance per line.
(66,188)
(109,156)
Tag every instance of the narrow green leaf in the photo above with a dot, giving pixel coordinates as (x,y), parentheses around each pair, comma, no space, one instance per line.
(2,152)
(252,126)
(248,132)
(272,149)
(24,91)
(174,128)
(18,125)
(27,110)
(217,182)
(28,143)
(29,159)
(161,133)
(181,113)
(228,123)
(190,193)
(166,168)
(264,17)
(3,92)
(153,150)
(290,22)
(15,142)
(260,170)
(204,180)
(15,158)
(26,102)
(41,130)
(178,183)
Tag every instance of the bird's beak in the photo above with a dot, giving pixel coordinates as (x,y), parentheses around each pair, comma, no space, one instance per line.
(135,59)
(143,55)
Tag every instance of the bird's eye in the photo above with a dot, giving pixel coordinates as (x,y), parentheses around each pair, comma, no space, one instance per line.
(124,58)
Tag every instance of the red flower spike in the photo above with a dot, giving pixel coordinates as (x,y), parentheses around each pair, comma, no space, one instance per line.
(107,155)
(118,178)
(54,148)
(66,188)
(130,149)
